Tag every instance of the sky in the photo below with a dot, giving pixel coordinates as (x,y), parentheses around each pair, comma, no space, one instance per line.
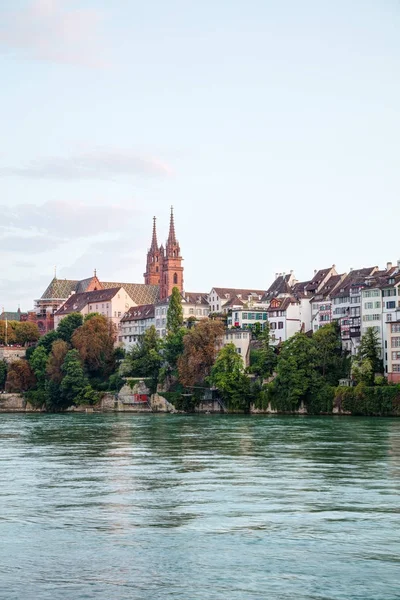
(273,128)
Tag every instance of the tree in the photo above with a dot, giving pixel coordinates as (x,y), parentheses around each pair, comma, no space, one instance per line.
(175,312)
(56,360)
(38,363)
(20,377)
(227,375)
(47,340)
(264,359)
(74,379)
(3,374)
(68,325)
(370,349)
(296,376)
(201,345)
(94,341)
(330,359)
(26,332)
(145,358)
(7,332)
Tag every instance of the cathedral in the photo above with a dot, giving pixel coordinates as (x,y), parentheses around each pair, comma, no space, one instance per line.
(164,271)
(164,265)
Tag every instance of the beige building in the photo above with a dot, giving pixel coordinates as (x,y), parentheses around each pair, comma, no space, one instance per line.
(240,338)
(112,303)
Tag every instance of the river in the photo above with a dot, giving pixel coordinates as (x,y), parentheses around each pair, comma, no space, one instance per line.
(153,507)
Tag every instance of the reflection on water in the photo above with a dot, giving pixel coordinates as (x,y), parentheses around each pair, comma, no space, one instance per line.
(161,506)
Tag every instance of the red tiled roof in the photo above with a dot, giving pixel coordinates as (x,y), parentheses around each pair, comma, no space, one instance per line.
(137,313)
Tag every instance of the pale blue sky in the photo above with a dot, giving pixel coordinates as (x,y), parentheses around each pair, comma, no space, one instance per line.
(272,127)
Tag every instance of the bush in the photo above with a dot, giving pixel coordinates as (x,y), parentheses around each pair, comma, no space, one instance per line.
(321,401)
(369,401)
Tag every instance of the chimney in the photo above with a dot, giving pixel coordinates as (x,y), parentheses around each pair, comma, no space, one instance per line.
(315,271)
(388,266)
(276,275)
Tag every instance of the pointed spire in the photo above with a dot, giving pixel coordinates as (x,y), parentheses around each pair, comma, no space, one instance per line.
(154,245)
(171,237)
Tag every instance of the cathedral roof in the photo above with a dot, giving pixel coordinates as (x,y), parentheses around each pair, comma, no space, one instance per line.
(62,289)
(77,302)
(139,292)
(11,316)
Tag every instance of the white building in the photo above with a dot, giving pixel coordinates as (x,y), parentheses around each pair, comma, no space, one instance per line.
(194,305)
(245,318)
(392,349)
(218,298)
(111,303)
(135,323)
(321,302)
(285,318)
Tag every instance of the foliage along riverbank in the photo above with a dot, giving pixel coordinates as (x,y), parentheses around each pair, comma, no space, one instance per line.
(78,363)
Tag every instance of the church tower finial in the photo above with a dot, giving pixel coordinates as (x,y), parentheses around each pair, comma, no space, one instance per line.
(154,244)
(171,236)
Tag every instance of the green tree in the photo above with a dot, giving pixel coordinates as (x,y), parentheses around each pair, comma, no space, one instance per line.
(227,375)
(56,360)
(38,363)
(330,359)
(175,312)
(47,340)
(68,325)
(296,376)
(7,332)
(74,380)
(26,333)
(264,359)
(145,358)
(3,374)
(370,349)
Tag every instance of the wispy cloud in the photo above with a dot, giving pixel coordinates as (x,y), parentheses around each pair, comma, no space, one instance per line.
(53,31)
(65,220)
(97,164)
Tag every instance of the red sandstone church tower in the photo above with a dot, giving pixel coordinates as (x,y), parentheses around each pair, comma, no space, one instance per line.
(164,267)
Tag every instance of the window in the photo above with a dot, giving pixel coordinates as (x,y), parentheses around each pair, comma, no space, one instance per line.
(244,316)
(175,278)
(191,311)
(396,355)
(368,305)
(90,307)
(119,314)
(395,342)
(280,324)
(239,350)
(396,368)
(387,293)
(273,325)
(102,306)
(371,317)
(264,316)
(391,304)
(238,336)
(377,305)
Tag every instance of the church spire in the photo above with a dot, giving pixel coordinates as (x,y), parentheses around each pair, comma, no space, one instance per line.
(171,237)
(154,245)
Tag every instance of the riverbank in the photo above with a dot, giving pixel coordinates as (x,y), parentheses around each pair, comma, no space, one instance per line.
(110,403)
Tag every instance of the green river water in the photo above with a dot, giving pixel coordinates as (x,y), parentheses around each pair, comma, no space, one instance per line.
(118,506)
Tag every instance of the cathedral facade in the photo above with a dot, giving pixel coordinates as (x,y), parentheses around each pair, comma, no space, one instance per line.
(164,265)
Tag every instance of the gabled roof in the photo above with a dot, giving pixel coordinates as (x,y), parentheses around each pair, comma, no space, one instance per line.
(11,316)
(329,287)
(195,297)
(138,313)
(355,278)
(77,302)
(228,293)
(283,303)
(140,293)
(235,301)
(60,289)
(318,278)
(300,289)
(279,286)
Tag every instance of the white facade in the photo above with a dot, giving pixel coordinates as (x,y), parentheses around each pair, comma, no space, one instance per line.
(194,307)
(285,319)
(240,338)
(219,297)
(134,324)
(246,318)
(392,349)
(113,307)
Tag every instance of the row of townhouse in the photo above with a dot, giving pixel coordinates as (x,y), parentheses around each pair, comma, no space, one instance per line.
(357,300)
